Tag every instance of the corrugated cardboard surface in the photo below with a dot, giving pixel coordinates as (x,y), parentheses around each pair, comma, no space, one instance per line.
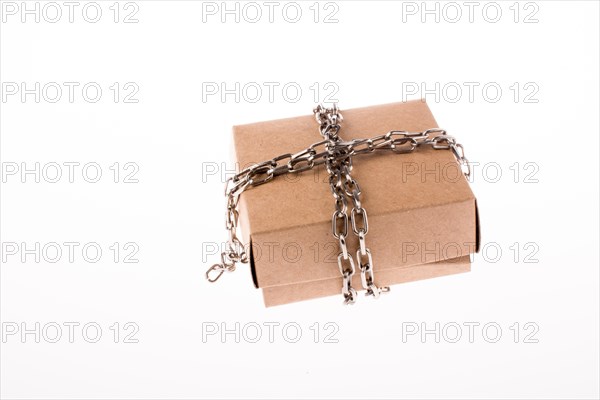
(420,209)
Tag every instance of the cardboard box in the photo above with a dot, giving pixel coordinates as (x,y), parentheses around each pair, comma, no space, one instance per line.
(422,213)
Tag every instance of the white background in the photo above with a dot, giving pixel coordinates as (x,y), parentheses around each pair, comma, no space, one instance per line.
(172,133)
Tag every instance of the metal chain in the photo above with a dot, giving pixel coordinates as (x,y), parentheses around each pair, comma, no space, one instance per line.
(395,141)
(339,171)
(363,253)
(343,184)
(235,249)
(337,156)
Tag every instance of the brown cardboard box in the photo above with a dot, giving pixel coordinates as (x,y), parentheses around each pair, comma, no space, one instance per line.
(422,214)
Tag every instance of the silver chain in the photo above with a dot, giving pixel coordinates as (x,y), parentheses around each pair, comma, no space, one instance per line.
(342,184)
(329,125)
(235,249)
(337,156)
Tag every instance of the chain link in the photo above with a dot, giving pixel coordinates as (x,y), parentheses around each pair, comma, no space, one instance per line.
(337,156)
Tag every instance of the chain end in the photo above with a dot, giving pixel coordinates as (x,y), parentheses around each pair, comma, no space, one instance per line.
(216,271)
(350,297)
(376,291)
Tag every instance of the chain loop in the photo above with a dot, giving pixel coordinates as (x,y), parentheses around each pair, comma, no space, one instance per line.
(335,224)
(364,225)
(348,291)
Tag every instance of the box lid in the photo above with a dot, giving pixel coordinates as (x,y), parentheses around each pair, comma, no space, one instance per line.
(387,185)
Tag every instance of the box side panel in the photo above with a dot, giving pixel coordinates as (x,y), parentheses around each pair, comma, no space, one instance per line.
(400,239)
(277,295)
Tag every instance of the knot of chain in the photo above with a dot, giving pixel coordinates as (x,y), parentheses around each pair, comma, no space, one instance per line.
(329,120)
